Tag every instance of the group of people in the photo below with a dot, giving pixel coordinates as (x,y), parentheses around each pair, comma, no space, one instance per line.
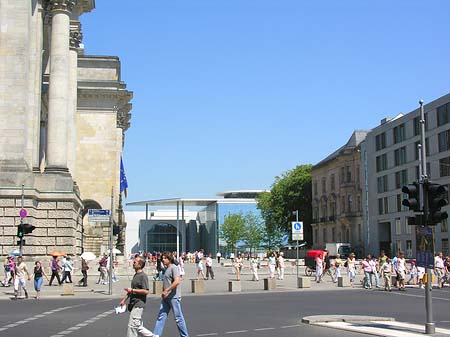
(383,268)
(136,295)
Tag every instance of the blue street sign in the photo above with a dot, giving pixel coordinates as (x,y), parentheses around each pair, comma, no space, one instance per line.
(425,247)
(298,226)
(99,215)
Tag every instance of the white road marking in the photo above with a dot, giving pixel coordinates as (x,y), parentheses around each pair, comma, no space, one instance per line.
(78,326)
(208,334)
(237,331)
(290,326)
(263,329)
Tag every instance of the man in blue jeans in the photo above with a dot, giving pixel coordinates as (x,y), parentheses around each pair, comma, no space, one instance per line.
(171,297)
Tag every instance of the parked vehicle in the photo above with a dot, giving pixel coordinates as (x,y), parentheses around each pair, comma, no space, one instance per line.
(344,249)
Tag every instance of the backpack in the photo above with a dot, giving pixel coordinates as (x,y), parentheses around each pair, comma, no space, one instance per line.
(197,259)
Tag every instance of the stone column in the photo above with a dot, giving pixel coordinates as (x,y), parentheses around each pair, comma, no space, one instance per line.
(75,40)
(58,85)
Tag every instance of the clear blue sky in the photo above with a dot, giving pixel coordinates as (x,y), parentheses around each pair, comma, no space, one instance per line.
(230,93)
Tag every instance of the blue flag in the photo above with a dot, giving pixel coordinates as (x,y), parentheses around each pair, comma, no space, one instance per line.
(123,179)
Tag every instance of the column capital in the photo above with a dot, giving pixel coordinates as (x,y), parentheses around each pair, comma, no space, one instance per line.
(60,5)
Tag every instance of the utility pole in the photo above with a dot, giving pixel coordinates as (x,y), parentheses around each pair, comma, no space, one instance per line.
(111,224)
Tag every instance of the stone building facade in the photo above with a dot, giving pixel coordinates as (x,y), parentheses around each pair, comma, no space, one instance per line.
(337,196)
(63,118)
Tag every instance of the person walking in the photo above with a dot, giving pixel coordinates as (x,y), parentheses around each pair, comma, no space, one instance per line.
(8,271)
(238,263)
(351,268)
(55,271)
(401,269)
(337,267)
(84,269)
(171,298)
(19,280)
(319,268)
(367,268)
(254,265)
(38,273)
(272,264)
(209,268)
(387,269)
(137,296)
(67,269)
(218,256)
(199,263)
(439,269)
(103,276)
(281,266)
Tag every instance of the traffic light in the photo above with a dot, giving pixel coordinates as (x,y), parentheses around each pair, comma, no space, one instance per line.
(436,200)
(116,230)
(412,202)
(20,232)
(23,229)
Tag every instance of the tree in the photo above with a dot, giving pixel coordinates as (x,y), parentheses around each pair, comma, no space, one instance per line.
(254,231)
(290,192)
(233,229)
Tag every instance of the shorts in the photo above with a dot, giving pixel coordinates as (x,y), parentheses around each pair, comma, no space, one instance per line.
(400,275)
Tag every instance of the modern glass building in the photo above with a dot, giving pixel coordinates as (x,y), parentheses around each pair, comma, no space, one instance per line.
(198,221)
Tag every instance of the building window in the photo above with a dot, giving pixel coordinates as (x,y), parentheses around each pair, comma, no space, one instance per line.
(316,236)
(398,226)
(315,187)
(349,202)
(444,167)
(400,156)
(380,141)
(444,141)
(417,125)
(399,133)
(359,232)
(399,202)
(324,185)
(444,247)
(398,245)
(382,184)
(408,228)
(381,162)
(401,178)
(359,203)
(444,226)
(409,249)
(358,173)
(383,206)
(324,233)
(332,182)
(443,114)
(343,204)
(333,234)
(349,174)
(332,210)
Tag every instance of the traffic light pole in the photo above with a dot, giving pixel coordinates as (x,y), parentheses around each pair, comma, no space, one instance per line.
(429,325)
(111,224)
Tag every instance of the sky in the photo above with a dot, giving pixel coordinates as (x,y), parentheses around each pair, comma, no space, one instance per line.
(229,94)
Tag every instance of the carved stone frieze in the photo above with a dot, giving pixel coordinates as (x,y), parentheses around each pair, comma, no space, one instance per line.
(76,36)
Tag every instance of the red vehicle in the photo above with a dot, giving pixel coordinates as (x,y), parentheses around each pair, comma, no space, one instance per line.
(310,260)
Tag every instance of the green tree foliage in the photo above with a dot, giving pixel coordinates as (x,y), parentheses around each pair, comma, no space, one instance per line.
(290,192)
(254,231)
(233,229)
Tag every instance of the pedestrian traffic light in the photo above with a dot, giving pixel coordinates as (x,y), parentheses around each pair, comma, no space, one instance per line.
(412,202)
(436,200)
(116,230)
(20,232)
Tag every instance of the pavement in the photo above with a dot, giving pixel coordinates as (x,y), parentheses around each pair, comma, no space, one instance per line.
(377,326)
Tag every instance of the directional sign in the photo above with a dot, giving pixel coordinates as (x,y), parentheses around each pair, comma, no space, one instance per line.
(297,230)
(99,215)
(23,213)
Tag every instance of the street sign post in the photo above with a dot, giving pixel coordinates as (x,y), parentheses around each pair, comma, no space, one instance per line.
(99,215)
(297,230)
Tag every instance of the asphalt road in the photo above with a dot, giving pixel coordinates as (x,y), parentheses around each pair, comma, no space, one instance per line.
(241,315)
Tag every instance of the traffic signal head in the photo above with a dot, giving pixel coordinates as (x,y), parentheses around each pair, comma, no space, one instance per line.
(412,202)
(20,232)
(436,200)
(27,228)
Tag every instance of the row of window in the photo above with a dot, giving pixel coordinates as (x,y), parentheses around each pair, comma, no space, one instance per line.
(399,134)
(345,177)
(336,236)
(346,206)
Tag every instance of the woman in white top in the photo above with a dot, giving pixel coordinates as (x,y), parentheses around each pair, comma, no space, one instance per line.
(319,268)
(254,267)
(238,263)
(351,268)
(401,269)
(272,264)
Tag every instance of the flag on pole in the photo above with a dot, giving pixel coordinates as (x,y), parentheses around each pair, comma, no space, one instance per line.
(123,179)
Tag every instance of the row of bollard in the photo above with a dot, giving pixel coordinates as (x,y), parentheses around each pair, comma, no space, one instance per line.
(197,286)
